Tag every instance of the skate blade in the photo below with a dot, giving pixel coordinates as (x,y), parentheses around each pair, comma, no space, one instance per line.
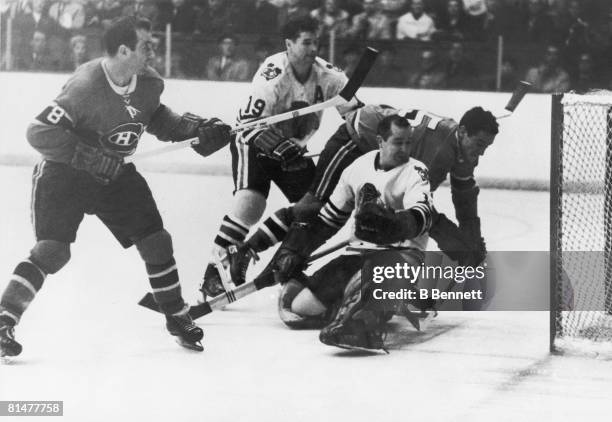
(381,351)
(195,346)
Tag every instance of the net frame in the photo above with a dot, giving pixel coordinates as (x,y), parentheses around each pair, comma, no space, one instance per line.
(584,332)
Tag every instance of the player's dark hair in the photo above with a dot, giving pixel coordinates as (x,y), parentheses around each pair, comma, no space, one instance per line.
(292,29)
(477,119)
(384,127)
(122,31)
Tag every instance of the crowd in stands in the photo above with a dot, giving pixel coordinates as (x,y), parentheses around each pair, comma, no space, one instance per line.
(432,44)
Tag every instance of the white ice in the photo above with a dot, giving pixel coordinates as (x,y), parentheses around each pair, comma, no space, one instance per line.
(86,342)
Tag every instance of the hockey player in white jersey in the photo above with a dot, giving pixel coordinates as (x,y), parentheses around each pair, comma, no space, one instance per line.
(291,79)
(391,194)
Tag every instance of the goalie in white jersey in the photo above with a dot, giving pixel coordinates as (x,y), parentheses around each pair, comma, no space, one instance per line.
(288,80)
(390,194)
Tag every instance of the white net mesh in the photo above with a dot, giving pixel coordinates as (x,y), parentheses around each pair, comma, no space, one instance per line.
(584,230)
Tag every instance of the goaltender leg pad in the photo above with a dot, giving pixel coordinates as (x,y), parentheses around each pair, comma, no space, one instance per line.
(307,313)
(328,283)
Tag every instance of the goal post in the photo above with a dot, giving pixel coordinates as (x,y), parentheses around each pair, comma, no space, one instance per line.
(581,223)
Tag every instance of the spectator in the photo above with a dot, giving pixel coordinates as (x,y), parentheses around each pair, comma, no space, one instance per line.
(549,77)
(180,14)
(29,21)
(78,52)
(574,30)
(460,73)
(509,76)
(416,24)
(259,17)
(394,8)
(263,49)
(451,25)
(475,17)
(537,26)
(292,9)
(350,58)
(371,24)
(387,72)
(500,19)
(218,17)
(586,78)
(331,18)
(429,76)
(105,11)
(227,67)
(38,58)
(143,9)
(69,14)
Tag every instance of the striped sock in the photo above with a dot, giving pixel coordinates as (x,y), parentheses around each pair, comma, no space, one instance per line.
(164,281)
(273,230)
(26,281)
(231,232)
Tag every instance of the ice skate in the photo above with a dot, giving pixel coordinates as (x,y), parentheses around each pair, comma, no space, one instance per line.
(8,345)
(239,259)
(212,285)
(186,332)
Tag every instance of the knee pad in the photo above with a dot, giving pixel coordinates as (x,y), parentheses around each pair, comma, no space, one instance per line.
(307,208)
(249,206)
(50,255)
(156,248)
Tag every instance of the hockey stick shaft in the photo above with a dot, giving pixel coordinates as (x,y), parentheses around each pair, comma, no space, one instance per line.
(348,92)
(218,302)
(518,94)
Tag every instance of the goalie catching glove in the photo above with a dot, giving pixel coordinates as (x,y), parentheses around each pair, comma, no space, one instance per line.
(376,223)
(103,165)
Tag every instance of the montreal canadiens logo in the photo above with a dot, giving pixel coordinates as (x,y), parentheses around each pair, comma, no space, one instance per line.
(124,138)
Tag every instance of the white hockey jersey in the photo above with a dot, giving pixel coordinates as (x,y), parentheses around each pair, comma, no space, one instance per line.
(275,88)
(402,188)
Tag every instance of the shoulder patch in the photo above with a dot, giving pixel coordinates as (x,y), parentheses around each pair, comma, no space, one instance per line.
(271,71)
(332,67)
(423,172)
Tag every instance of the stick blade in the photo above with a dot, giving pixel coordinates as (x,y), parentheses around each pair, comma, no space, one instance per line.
(519,92)
(361,71)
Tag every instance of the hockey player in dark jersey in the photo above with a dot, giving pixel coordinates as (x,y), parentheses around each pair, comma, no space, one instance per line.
(445,146)
(83,137)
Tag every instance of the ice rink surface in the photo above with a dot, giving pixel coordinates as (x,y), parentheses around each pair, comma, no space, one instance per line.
(86,342)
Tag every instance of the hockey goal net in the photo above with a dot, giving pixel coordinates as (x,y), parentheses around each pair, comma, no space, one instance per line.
(581,224)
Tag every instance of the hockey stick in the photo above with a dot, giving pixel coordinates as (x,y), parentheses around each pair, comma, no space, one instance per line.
(519,92)
(348,92)
(201,309)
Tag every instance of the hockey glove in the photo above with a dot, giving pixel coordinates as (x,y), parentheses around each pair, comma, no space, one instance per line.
(301,240)
(213,135)
(103,165)
(276,146)
(381,225)
(452,241)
